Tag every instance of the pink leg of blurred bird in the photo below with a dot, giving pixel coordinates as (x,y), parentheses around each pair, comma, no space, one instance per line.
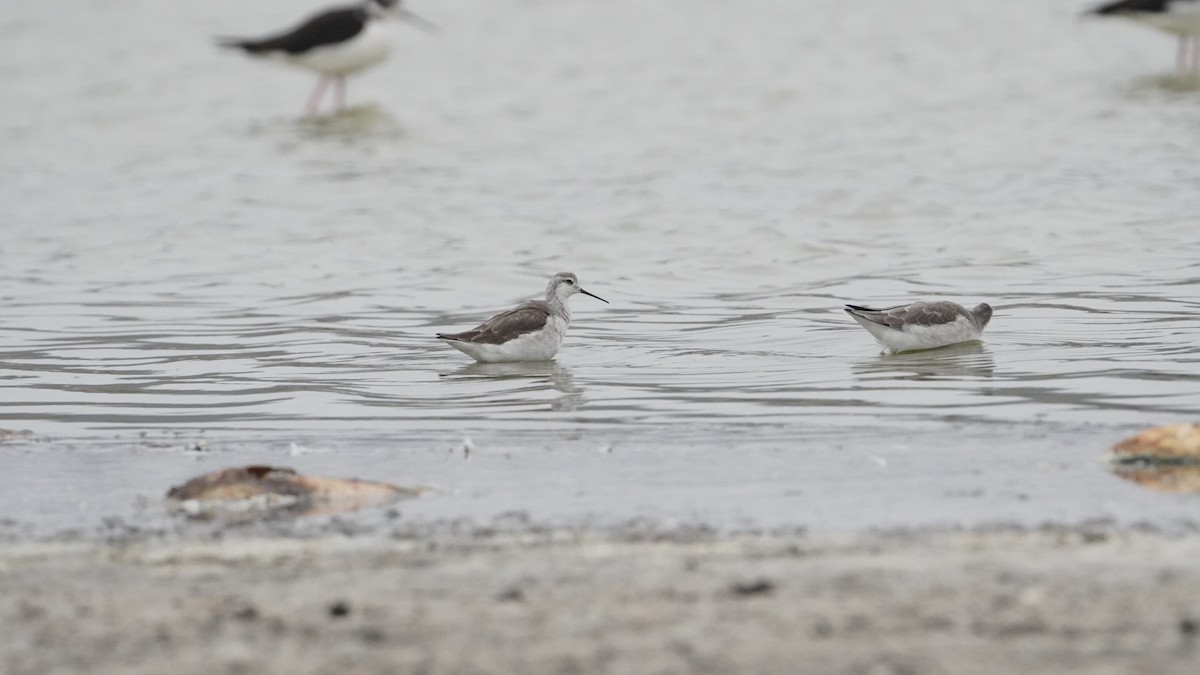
(340,88)
(317,95)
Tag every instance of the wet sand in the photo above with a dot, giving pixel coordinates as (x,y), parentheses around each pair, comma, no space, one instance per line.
(522,599)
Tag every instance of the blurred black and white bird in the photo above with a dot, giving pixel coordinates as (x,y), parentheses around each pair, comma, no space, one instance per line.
(1180,18)
(335,44)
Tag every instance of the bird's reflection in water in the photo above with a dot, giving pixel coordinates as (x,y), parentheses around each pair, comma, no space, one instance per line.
(556,375)
(1163,478)
(367,120)
(964,360)
(1174,83)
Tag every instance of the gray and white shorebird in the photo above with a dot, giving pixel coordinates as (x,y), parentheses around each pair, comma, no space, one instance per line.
(1180,18)
(531,331)
(922,325)
(335,44)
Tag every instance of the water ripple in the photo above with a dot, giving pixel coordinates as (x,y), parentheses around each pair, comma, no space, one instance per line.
(205,259)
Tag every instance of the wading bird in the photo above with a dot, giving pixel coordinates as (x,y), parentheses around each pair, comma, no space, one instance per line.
(531,331)
(334,44)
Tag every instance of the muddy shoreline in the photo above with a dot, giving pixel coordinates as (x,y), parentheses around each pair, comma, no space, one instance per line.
(1087,599)
(822,480)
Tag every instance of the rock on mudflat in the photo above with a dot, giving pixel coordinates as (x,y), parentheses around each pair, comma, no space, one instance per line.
(1162,458)
(263,489)
(1175,444)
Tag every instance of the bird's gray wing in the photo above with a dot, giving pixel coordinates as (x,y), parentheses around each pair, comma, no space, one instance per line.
(505,326)
(930,313)
(916,314)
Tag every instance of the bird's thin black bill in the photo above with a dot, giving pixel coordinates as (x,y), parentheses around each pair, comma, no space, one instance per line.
(594,296)
(418,21)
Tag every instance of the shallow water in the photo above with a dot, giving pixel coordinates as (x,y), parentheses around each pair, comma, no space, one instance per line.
(182,252)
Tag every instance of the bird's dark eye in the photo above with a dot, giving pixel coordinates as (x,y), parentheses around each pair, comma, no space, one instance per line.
(570,283)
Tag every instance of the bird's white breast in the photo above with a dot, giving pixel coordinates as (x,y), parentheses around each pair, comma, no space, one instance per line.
(913,337)
(369,47)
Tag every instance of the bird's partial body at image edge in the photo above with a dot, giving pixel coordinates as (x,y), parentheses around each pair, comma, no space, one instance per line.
(1180,18)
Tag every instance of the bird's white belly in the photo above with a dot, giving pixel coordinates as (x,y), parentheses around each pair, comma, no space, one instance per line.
(914,338)
(371,46)
(539,345)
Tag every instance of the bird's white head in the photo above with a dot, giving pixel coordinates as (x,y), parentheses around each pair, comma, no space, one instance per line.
(563,285)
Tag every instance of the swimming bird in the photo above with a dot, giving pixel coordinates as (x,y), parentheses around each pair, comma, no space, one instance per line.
(922,325)
(1177,17)
(531,331)
(335,44)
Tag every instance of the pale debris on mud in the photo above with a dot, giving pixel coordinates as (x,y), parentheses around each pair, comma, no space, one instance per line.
(265,489)
(1163,458)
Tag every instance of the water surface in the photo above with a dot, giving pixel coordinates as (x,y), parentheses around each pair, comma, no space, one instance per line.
(183,254)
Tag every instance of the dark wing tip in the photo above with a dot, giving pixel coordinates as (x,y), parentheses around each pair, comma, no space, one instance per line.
(1121,7)
(858,308)
(447,336)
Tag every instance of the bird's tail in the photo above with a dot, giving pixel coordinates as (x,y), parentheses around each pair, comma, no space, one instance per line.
(1111,8)
(249,46)
(874,316)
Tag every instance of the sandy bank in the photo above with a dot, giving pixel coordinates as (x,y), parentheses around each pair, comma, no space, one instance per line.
(1056,601)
